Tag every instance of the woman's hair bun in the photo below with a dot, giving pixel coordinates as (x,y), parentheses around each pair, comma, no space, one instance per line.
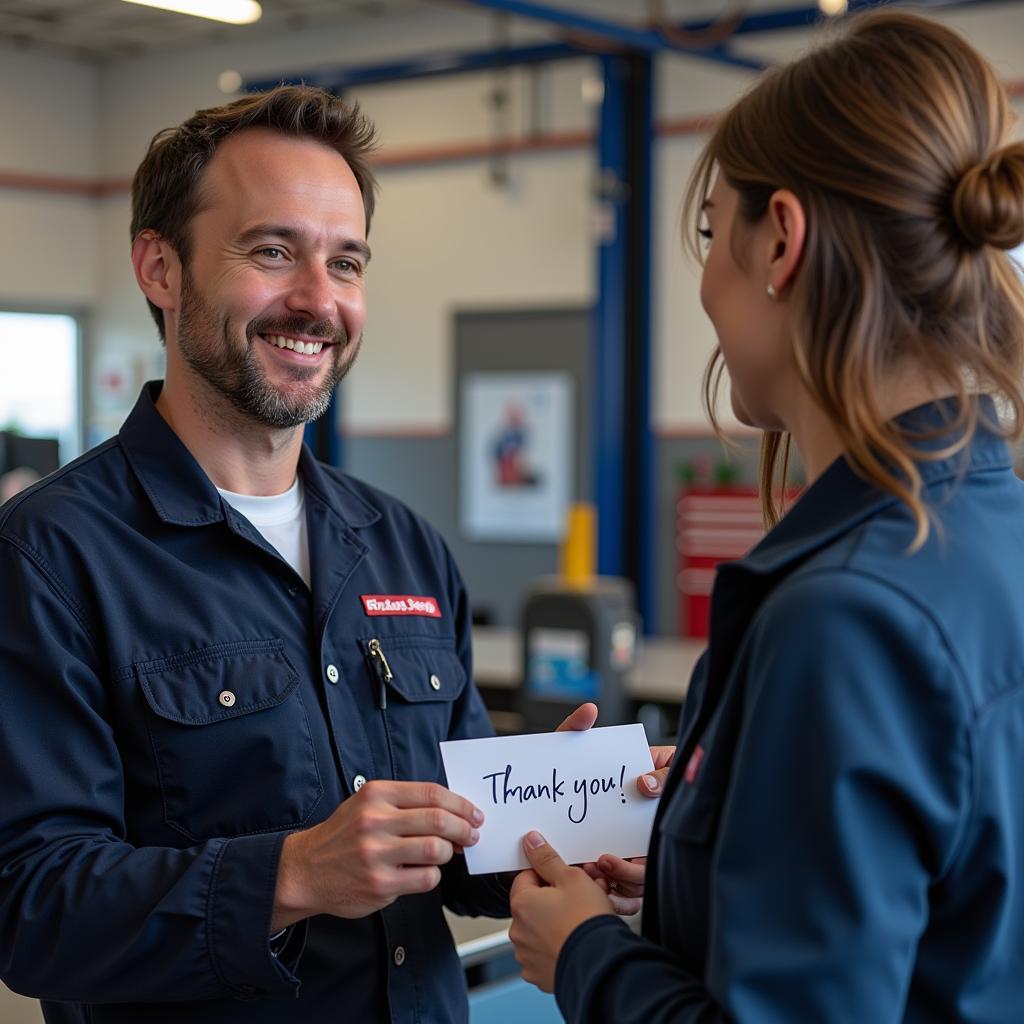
(988,203)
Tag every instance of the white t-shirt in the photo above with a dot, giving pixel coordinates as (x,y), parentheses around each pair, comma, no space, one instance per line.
(281,518)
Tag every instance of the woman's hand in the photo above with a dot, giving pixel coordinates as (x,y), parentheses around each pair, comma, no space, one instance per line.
(653,783)
(547,905)
(623,880)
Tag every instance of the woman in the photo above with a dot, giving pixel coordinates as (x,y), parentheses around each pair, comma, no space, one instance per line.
(842,835)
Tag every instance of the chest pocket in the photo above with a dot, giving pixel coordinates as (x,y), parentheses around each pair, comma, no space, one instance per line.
(427,680)
(685,845)
(693,808)
(691,811)
(231,740)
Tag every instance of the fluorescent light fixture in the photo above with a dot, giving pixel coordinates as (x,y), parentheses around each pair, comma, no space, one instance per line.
(235,12)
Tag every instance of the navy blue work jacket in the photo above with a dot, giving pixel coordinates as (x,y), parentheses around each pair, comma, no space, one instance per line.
(841,838)
(174,701)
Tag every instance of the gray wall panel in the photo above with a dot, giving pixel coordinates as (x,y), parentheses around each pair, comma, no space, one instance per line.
(423,473)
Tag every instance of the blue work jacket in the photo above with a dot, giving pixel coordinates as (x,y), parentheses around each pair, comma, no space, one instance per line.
(841,838)
(174,701)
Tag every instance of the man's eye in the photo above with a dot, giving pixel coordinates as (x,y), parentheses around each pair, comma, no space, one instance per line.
(347,266)
(272,251)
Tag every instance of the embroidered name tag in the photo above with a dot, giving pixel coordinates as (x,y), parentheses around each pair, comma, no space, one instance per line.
(401,604)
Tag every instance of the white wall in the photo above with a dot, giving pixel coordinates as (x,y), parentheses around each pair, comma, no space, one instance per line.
(454,242)
(48,126)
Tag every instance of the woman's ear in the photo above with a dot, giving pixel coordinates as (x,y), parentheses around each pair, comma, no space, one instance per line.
(157,270)
(788,227)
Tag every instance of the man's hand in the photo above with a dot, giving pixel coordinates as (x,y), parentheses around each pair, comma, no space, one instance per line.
(580,720)
(547,905)
(386,841)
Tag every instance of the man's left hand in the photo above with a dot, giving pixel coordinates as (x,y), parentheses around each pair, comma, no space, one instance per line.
(548,903)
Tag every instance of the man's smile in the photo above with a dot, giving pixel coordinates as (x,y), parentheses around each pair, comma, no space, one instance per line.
(308,348)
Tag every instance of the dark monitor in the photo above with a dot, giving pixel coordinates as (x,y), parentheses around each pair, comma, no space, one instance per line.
(39,453)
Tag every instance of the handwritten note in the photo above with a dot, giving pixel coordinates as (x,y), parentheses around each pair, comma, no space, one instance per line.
(578,789)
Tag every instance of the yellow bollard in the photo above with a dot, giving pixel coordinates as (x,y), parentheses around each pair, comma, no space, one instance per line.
(579,546)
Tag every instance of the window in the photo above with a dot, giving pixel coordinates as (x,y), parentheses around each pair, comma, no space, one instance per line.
(1017,255)
(39,378)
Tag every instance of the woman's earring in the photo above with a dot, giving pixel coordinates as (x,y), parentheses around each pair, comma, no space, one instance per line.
(771,291)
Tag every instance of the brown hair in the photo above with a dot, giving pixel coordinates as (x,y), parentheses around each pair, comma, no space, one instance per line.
(166,192)
(895,138)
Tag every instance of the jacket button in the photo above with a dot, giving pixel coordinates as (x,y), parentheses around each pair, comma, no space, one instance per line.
(332,673)
(227,698)
(435,682)
(399,955)
(358,782)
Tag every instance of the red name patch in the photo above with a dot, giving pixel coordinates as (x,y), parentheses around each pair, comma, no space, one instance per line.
(401,604)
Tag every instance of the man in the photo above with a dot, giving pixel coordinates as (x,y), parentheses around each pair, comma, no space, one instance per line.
(227,667)
(188,693)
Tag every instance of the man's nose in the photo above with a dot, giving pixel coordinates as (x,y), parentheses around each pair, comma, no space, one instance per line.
(312,293)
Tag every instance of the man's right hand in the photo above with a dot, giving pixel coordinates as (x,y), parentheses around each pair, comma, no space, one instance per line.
(386,841)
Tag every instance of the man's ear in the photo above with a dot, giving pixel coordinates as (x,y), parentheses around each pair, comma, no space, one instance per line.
(788,233)
(157,270)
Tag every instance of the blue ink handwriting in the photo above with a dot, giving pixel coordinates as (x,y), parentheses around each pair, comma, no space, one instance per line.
(503,791)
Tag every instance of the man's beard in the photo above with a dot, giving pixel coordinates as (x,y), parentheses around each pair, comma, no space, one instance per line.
(236,372)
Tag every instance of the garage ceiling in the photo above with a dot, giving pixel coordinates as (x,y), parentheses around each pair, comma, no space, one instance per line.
(103,29)
(108,29)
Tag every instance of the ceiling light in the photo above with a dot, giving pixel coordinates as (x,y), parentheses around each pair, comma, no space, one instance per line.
(229,81)
(832,8)
(235,12)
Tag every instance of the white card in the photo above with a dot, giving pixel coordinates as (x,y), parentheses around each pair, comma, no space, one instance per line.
(578,789)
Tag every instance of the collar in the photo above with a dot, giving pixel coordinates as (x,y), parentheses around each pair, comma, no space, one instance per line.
(182,494)
(839,499)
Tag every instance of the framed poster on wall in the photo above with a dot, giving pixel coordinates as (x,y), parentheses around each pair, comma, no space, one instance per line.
(516,459)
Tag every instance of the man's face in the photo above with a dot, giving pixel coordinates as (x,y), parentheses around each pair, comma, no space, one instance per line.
(272,301)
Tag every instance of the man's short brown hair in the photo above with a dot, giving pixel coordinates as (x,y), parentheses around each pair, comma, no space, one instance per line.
(165,190)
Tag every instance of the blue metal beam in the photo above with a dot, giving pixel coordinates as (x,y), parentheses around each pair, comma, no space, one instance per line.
(644,339)
(641,493)
(574,21)
(623,444)
(342,78)
(339,79)
(608,413)
(619,34)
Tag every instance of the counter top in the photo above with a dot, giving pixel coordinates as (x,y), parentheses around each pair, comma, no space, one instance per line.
(661,674)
